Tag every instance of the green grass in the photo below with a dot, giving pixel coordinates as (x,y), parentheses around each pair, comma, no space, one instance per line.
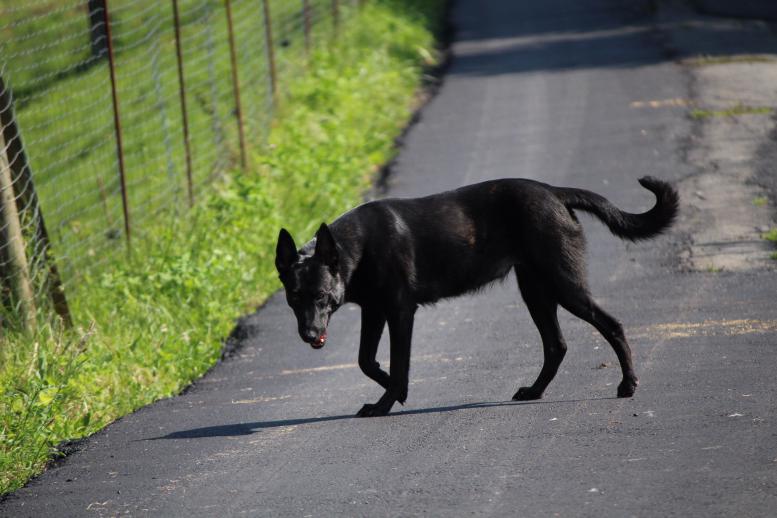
(739,109)
(149,325)
(705,60)
(770,235)
(760,201)
(58,33)
(67,118)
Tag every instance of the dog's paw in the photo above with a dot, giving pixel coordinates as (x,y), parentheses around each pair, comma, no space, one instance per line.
(526,394)
(370,410)
(627,388)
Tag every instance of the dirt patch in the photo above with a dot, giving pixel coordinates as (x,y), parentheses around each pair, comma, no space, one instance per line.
(732,70)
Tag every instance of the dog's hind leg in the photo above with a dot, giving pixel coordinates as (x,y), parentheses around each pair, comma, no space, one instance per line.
(373,322)
(543,308)
(579,303)
(400,323)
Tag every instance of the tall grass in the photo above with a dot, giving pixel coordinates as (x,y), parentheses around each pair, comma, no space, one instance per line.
(151,324)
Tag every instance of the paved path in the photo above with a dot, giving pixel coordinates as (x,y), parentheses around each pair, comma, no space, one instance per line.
(541,89)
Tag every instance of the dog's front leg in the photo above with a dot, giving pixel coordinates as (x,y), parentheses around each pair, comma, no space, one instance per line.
(400,324)
(373,322)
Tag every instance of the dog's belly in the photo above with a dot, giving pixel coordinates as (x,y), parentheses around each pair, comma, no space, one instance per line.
(457,278)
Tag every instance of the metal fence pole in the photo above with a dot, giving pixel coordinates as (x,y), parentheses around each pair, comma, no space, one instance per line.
(19,274)
(117,123)
(27,199)
(270,49)
(306,24)
(336,17)
(235,83)
(184,113)
(217,129)
(97,35)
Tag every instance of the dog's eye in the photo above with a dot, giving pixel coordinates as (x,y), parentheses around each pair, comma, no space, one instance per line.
(321,297)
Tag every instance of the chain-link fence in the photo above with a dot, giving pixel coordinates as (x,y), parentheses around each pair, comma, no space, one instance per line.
(118,113)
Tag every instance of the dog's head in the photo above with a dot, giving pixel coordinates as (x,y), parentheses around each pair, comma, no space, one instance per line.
(314,288)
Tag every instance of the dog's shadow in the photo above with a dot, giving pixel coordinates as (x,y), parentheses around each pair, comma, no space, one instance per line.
(237,429)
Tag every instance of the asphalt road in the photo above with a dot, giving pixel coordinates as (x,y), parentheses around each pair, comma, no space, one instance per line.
(539,89)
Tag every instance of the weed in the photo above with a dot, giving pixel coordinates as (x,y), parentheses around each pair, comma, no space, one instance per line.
(760,201)
(722,60)
(739,109)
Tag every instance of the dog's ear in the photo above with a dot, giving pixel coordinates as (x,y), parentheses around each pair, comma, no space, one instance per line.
(326,248)
(285,251)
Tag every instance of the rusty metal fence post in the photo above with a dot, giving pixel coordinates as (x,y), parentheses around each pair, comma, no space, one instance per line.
(95,9)
(117,122)
(270,50)
(235,83)
(182,95)
(306,24)
(336,17)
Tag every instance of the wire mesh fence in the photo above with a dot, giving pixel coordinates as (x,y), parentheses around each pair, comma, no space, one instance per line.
(116,114)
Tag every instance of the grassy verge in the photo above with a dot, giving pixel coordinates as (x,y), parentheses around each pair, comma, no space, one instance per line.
(152,324)
(739,109)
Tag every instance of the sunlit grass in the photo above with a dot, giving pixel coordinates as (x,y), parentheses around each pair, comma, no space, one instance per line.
(705,60)
(739,109)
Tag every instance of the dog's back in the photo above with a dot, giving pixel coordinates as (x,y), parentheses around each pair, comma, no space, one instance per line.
(458,241)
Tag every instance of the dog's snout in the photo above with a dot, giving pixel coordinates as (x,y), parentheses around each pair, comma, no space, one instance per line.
(309,335)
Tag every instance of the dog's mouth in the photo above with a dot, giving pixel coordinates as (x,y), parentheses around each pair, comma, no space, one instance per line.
(319,342)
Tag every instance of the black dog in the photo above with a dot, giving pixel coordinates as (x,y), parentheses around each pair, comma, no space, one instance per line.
(390,256)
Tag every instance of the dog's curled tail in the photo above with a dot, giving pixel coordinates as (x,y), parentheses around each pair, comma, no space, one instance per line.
(625,224)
